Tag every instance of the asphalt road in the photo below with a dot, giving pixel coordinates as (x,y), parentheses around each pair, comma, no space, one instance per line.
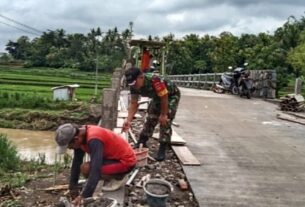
(248,156)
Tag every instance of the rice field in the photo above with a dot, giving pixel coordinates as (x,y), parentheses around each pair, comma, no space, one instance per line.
(40,81)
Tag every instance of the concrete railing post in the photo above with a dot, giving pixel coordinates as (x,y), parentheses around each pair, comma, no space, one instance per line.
(298,86)
(110,100)
(108,109)
(205,81)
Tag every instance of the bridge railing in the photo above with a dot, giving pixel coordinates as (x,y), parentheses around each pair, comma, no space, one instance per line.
(264,81)
(200,81)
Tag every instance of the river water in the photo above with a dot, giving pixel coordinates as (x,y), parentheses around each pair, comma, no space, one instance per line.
(32,143)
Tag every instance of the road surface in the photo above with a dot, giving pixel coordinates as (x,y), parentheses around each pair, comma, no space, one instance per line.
(248,156)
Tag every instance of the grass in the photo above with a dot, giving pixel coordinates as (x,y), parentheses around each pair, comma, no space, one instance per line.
(26,97)
(15,172)
(39,81)
(290,88)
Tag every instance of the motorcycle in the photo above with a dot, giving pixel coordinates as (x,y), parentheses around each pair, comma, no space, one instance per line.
(229,81)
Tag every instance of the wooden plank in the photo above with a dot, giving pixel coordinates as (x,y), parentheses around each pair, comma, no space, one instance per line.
(57,187)
(185,155)
(123,106)
(124,99)
(133,137)
(143,106)
(175,124)
(176,139)
(143,103)
(290,118)
(156,135)
(124,114)
(119,122)
(299,115)
(119,105)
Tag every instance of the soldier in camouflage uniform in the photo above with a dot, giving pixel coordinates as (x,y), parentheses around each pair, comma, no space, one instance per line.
(165,97)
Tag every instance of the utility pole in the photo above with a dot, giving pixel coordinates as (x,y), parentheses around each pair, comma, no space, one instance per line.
(96,73)
(96,66)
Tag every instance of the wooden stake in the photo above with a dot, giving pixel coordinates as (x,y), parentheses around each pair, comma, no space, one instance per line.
(133,137)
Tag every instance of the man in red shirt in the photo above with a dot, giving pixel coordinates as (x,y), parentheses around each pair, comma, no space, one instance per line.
(145,60)
(109,154)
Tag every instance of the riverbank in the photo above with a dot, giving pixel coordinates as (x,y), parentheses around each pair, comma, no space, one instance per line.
(40,119)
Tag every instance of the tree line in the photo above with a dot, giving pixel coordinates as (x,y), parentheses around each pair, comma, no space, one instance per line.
(57,49)
(283,51)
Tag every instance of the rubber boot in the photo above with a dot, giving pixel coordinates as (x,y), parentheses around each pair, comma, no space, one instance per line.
(161,152)
(142,140)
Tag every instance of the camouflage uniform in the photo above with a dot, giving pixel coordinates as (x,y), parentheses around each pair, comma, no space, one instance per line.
(155,86)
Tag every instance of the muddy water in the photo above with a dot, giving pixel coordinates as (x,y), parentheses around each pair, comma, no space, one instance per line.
(30,143)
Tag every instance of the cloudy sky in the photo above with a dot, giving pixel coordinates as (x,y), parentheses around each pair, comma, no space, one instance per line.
(155,17)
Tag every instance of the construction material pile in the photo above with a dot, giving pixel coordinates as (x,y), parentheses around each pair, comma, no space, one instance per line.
(292,102)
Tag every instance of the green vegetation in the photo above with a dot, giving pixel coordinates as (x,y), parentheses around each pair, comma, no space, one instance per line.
(26,98)
(8,160)
(283,51)
(15,172)
(290,87)
(57,49)
(38,82)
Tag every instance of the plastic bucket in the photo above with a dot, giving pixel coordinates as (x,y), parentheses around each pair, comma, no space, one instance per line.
(157,192)
(141,155)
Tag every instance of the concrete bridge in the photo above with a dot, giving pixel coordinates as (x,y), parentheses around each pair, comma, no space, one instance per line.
(248,156)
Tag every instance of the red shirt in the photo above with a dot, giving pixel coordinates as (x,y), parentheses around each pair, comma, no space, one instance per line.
(145,61)
(115,147)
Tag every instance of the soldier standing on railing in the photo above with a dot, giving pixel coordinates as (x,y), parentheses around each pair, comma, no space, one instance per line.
(165,97)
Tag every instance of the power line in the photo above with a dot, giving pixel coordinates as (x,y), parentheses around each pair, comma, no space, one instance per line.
(24,25)
(19,28)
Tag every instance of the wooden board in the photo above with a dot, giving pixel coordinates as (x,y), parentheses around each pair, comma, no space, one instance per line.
(290,118)
(156,135)
(185,155)
(175,124)
(296,114)
(176,139)
(132,136)
(119,122)
(123,105)
(143,106)
(124,99)
(143,103)
(119,105)
(124,114)
(57,187)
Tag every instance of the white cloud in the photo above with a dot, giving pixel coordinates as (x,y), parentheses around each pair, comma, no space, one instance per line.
(154,17)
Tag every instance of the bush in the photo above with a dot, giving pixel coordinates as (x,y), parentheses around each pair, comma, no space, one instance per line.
(9,160)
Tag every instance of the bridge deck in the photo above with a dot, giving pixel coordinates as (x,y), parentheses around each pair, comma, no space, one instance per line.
(248,156)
